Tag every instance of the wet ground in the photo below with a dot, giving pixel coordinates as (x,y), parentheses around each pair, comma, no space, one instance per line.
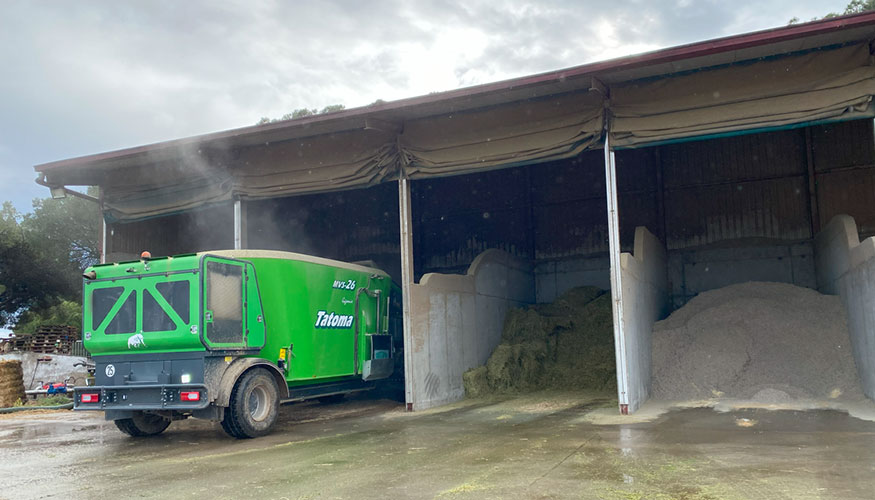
(542,446)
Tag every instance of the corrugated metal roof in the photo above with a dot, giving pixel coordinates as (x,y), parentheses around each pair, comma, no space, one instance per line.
(709,53)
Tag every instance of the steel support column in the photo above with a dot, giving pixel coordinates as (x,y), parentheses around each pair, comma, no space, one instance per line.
(102,239)
(616,276)
(102,233)
(239,225)
(406,227)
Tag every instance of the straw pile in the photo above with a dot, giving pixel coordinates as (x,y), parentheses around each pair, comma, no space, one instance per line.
(769,342)
(11,383)
(567,344)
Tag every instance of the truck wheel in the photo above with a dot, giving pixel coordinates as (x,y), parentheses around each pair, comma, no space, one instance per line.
(142,424)
(254,405)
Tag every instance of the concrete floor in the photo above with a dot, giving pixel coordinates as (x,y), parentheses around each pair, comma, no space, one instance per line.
(540,446)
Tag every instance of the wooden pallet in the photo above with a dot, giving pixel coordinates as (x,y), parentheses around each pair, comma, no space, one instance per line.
(47,340)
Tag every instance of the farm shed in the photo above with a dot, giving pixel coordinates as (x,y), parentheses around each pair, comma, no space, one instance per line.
(658,176)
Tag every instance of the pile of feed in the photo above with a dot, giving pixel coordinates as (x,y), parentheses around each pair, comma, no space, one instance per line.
(11,383)
(567,344)
(769,342)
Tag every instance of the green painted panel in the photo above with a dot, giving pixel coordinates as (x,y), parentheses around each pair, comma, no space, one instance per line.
(311,307)
(127,269)
(113,317)
(256,332)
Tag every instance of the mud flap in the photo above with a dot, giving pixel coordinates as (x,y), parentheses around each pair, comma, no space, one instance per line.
(375,369)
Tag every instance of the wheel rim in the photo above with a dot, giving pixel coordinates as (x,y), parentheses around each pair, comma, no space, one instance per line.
(258,408)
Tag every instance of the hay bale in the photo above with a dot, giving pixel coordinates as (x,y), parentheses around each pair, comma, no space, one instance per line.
(568,344)
(516,367)
(11,383)
(475,381)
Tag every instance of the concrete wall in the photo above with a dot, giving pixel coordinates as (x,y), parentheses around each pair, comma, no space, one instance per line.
(846,266)
(645,300)
(57,370)
(457,322)
(696,270)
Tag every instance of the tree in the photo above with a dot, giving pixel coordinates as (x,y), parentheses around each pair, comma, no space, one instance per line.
(332,108)
(42,255)
(65,312)
(301,113)
(68,228)
(855,7)
(859,6)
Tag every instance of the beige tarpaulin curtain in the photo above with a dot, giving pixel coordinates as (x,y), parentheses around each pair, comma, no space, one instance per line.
(506,135)
(501,136)
(189,180)
(330,162)
(820,85)
(131,204)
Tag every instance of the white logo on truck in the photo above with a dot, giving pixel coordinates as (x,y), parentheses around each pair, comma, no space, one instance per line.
(135,341)
(326,319)
(344,285)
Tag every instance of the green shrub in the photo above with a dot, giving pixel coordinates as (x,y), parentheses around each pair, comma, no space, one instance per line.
(53,400)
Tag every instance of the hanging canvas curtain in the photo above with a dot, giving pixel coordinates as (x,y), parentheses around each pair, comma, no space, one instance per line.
(330,162)
(343,160)
(506,135)
(827,84)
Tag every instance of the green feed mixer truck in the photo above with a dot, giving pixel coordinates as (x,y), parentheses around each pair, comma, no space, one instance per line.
(227,335)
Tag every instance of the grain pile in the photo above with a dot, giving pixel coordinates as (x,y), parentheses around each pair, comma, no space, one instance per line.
(11,383)
(566,344)
(769,342)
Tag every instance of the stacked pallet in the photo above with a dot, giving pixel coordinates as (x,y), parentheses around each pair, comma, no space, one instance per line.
(21,343)
(49,339)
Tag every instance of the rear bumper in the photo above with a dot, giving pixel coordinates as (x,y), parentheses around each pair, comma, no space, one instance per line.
(141,397)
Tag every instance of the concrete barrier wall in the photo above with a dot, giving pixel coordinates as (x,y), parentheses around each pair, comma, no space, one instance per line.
(457,322)
(846,266)
(56,370)
(645,300)
(837,250)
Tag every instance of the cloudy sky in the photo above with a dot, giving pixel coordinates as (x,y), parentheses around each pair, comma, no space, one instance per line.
(84,77)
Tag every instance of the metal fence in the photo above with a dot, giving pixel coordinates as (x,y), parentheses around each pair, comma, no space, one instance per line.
(79,350)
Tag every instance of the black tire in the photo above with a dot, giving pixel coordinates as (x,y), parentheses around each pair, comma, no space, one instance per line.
(254,405)
(332,399)
(142,424)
